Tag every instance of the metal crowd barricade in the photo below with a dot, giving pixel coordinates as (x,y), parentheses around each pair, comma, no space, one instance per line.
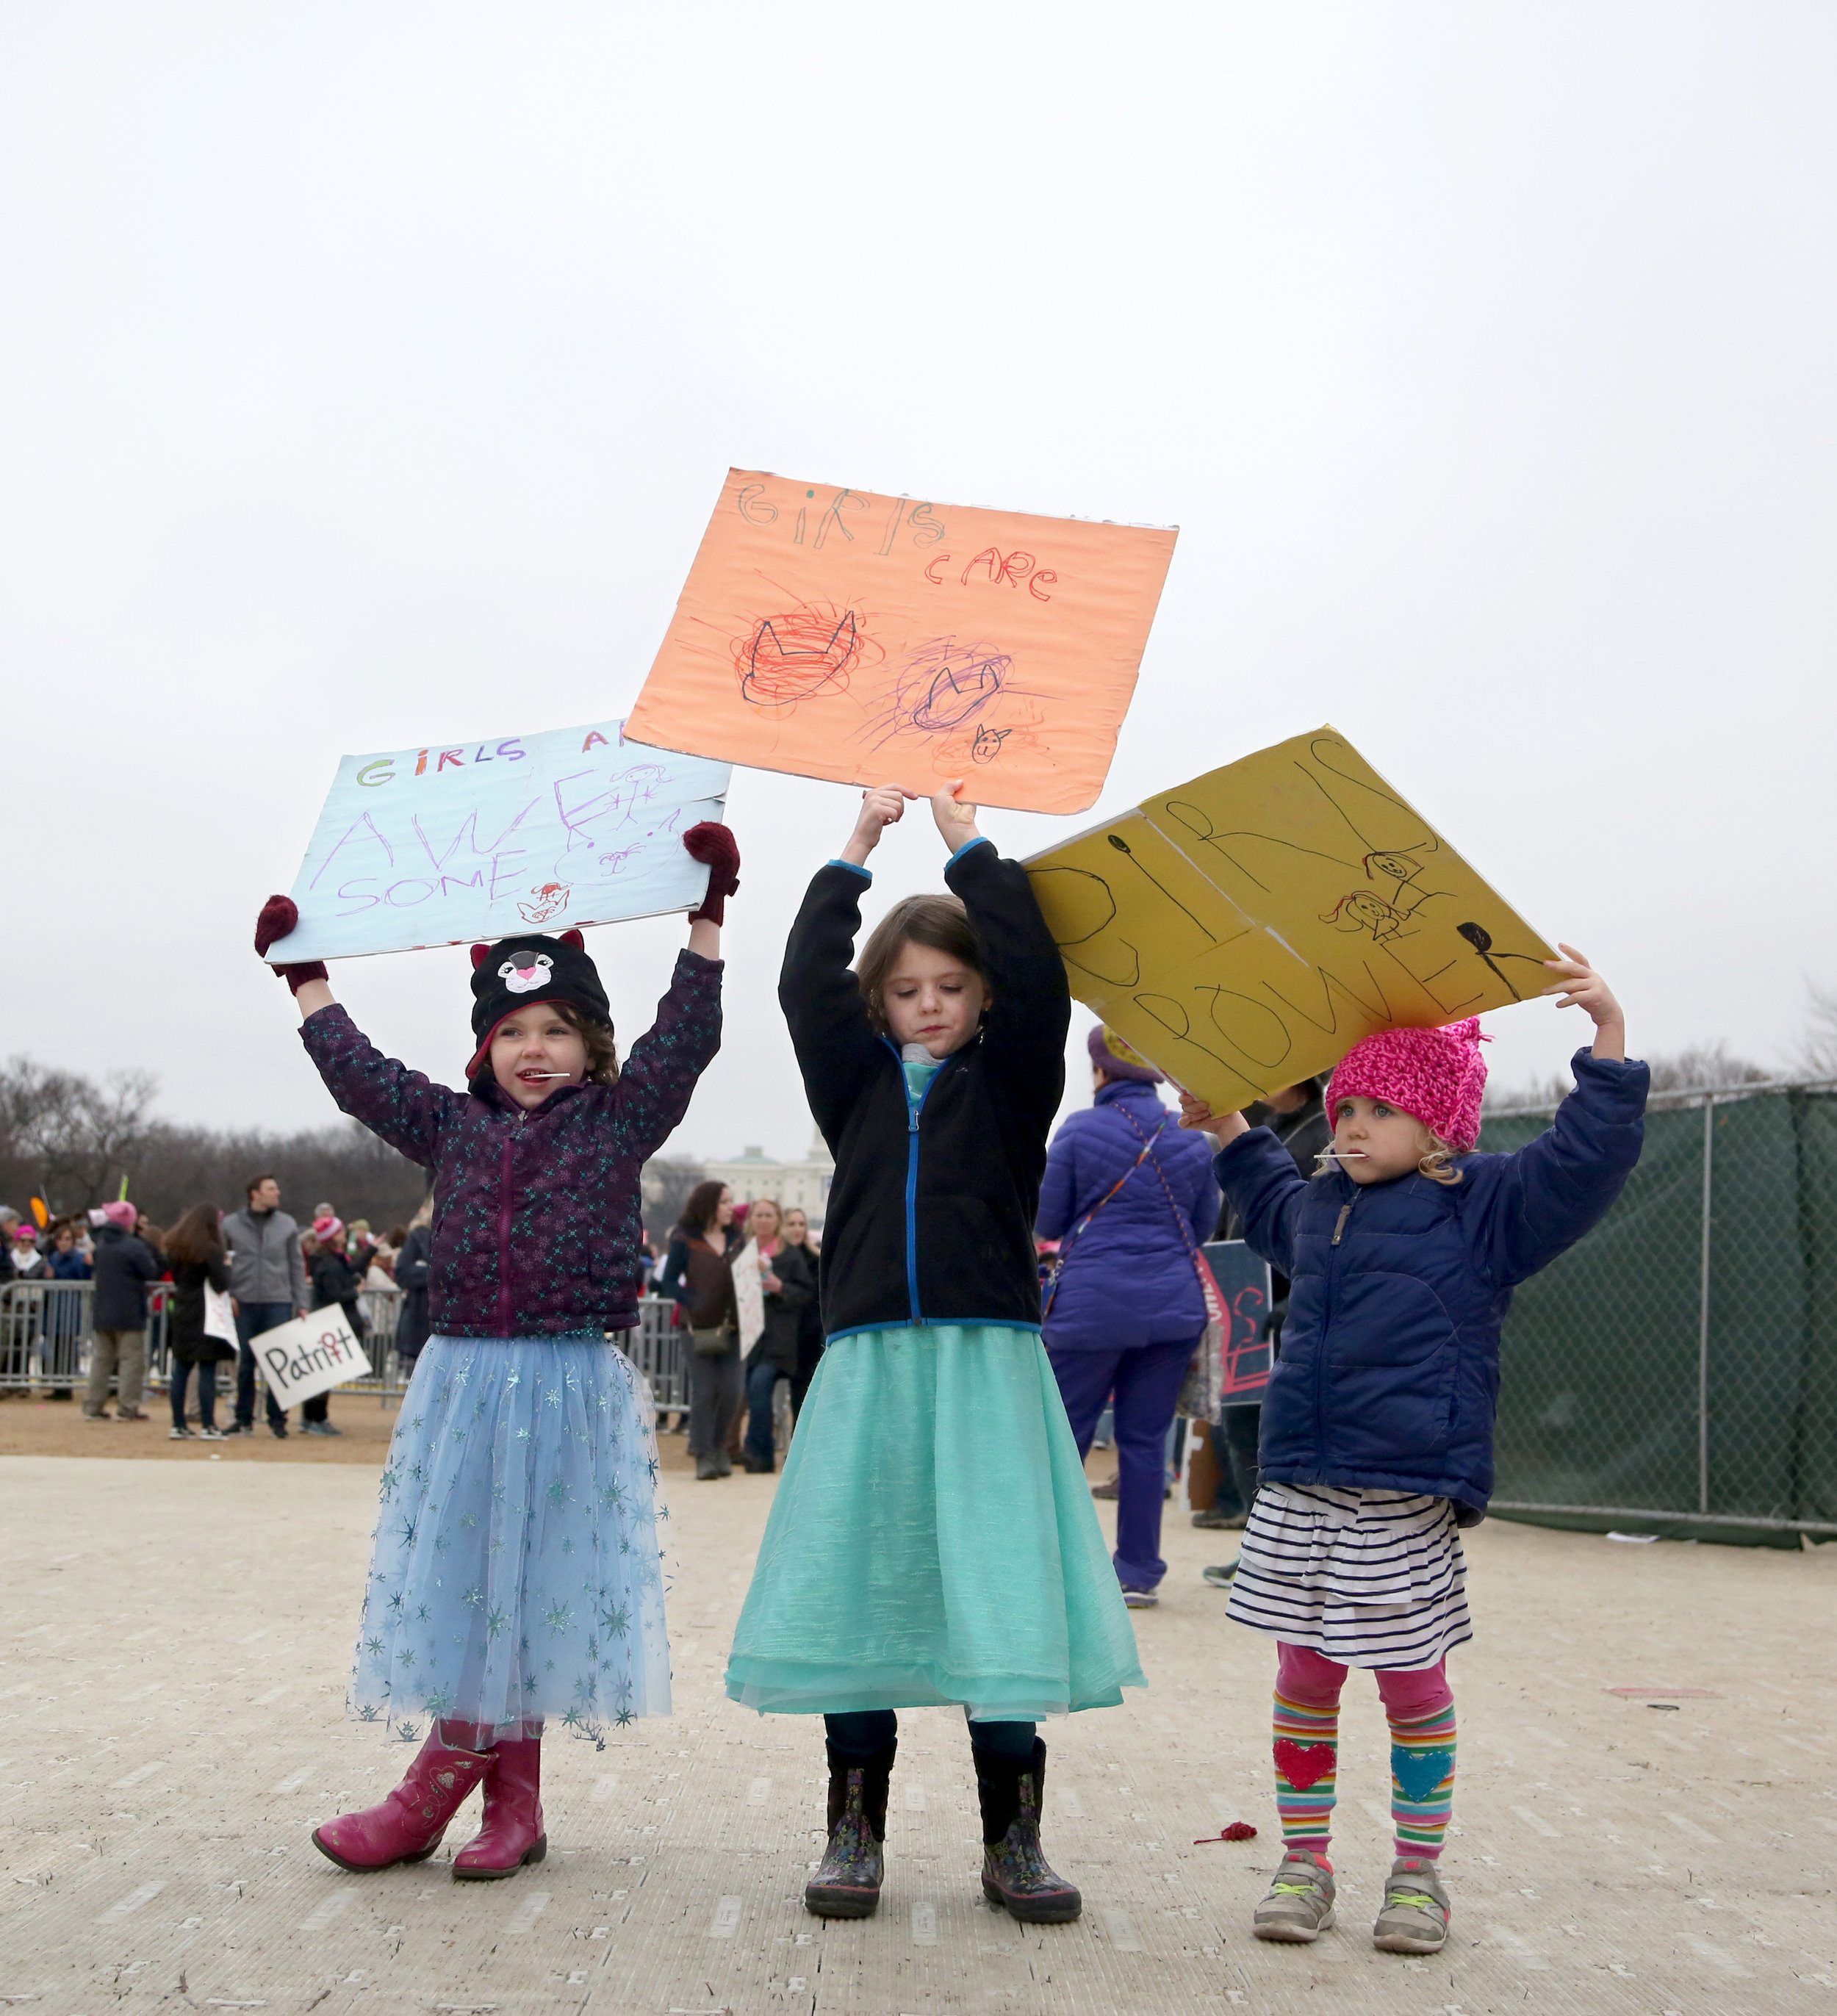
(659,1351)
(44,1334)
(47,1330)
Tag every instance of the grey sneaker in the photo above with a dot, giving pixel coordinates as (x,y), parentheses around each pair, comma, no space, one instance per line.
(1414,1919)
(1221,1577)
(1299,1907)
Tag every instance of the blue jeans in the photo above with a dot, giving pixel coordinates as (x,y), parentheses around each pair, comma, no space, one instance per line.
(252,1319)
(761,1382)
(1145,1379)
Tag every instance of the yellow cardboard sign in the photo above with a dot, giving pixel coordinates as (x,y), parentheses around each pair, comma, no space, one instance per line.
(1245,930)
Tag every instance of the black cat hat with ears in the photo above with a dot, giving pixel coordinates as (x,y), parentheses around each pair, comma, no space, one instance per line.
(518,973)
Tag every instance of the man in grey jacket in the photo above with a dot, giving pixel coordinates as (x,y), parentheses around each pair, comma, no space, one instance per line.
(267,1287)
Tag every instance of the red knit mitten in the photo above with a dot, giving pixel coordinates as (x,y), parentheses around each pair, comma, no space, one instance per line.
(715,845)
(279,915)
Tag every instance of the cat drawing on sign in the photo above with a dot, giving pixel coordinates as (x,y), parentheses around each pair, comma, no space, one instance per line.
(551,900)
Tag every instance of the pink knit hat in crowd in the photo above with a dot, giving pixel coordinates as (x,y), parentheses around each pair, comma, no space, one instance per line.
(122,1213)
(1434,1075)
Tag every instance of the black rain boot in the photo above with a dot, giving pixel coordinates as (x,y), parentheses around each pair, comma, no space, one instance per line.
(847,1884)
(1015,1872)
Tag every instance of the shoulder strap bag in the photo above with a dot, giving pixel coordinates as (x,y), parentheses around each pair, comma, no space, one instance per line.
(1072,1237)
(1202,1393)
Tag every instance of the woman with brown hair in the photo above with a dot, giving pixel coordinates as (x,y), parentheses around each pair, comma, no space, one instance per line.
(698,1274)
(195,1248)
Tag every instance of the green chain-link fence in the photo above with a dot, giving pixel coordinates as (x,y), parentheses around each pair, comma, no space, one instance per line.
(1678,1368)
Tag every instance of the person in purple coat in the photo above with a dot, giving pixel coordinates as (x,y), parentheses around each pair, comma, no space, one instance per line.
(1131,1202)
(515,1575)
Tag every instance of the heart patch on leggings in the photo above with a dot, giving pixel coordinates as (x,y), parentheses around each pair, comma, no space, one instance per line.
(1419,1772)
(1305,1764)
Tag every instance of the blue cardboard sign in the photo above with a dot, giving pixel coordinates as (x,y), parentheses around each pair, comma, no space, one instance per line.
(443,846)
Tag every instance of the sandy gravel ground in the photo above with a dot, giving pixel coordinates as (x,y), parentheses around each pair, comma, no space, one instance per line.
(172,1653)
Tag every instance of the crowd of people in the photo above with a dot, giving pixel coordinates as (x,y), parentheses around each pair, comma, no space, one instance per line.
(232,1276)
(736,1365)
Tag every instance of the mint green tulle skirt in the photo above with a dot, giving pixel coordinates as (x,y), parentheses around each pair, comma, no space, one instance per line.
(933,1541)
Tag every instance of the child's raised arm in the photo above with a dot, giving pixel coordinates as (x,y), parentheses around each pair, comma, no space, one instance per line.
(1030,1005)
(1582,987)
(658,1078)
(400,1106)
(830,1029)
(1560,1185)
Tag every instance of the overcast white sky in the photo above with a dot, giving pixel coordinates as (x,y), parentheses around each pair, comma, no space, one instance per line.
(370,370)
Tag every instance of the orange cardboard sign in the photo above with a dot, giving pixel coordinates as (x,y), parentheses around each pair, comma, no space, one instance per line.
(873,640)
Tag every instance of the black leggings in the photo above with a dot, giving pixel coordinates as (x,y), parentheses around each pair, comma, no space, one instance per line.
(869,1732)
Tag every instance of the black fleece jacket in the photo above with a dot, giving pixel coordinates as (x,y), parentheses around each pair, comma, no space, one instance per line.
(931,1208)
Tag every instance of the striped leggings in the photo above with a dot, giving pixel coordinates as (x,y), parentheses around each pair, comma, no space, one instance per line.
(1420,1710)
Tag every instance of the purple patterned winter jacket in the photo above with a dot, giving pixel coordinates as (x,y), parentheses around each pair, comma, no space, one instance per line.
(536,1224)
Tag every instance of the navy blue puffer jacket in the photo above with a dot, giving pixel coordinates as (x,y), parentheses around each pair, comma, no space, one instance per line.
(1129,1277)
(1389,1372)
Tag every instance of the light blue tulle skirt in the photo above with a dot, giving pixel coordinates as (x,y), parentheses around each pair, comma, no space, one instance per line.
(516,1575)
(933,1541)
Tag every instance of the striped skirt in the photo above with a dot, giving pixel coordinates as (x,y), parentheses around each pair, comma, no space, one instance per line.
(1367,1578)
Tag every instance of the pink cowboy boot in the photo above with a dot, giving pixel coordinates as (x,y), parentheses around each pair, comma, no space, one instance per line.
(512,1835)
(407,1826)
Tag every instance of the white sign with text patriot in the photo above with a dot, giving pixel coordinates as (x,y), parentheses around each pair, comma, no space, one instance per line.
(309,1356)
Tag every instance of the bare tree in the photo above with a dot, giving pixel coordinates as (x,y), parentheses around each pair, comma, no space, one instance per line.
(77,1137)
(1703,1067)
(1817,1052)
(667,1182)
(1706,1066)
(71,1141)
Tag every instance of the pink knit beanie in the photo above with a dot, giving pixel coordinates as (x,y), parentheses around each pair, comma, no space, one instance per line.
(1434,1075)
(121,1214)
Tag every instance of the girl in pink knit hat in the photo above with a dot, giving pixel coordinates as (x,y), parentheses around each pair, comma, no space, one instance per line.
(1377,1434)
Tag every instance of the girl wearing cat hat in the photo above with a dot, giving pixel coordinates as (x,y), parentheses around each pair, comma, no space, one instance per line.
(1377,1433)
(515,1574)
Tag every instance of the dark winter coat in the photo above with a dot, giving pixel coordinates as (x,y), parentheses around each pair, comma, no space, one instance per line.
(336,1277)
(809,1326)
(931,1213)
(535,1214)
(700,1283)
(1389,1373)
(784,1311)
(64,1318)
(124,1265)
(1127,1278)
(185,1313)
(1304,1133)
(411,1277)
